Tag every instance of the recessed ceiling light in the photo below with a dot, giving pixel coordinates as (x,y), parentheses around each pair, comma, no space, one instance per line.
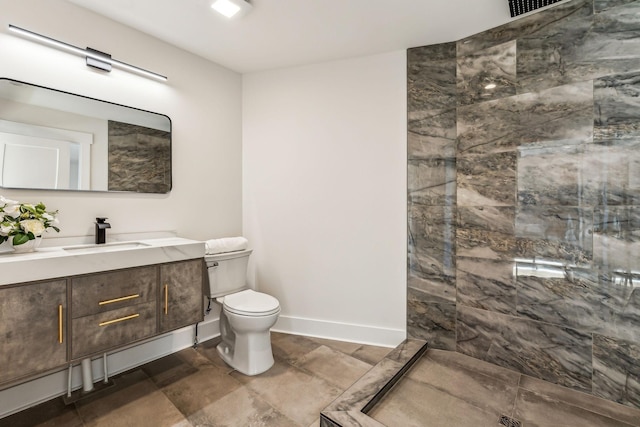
(490,86)
(231,8)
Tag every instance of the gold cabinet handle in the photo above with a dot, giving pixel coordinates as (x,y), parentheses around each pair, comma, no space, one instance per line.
(166,299)
(111,301)
(122,319)
(60,323)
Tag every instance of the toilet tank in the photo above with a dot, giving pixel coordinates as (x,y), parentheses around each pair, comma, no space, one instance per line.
(227,272)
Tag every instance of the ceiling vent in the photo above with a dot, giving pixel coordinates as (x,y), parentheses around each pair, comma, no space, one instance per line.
(518,7)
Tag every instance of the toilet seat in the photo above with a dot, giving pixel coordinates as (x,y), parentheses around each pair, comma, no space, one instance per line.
(251,303)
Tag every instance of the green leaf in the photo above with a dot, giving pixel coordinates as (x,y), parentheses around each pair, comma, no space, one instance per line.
(20,239)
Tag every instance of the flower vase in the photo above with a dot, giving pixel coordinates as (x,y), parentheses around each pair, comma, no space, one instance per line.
(29,246)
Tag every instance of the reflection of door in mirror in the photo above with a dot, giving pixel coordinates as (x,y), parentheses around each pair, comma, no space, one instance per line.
(100,145)
(44,158)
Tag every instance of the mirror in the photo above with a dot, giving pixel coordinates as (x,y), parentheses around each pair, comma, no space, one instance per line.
(56,140)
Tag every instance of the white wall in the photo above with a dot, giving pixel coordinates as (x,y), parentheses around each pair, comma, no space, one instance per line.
(324,190)
(202,99)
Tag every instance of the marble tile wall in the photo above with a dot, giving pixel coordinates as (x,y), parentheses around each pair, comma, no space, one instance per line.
(524,199)
(139,158)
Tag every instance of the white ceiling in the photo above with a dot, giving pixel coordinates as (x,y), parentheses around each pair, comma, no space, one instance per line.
(285,33)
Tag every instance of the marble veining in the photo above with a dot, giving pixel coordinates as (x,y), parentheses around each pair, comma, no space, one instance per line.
(486,284)
(139,158)
(487,180)
(548,57)
(487,74)
(616,373)
(617,107)
(432,181)
(477,135)
(431,77)
(583,299)
(514,343)
(485,232)
(431,233)
(524,225)
(432,134)
(431,319)
(559,233)
(563,113)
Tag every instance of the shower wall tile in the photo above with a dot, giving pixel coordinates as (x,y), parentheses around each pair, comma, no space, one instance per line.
(580,299)
(432,241)
(616,238)
(602,5)
(613,42)
(431,319)
(432,182)
(495,65)
(485,232)
(554,353)
(547,57)
(555,233)
(617,106)
(561,115)
(486,284)
(550,176)
(477,135)
(610,172)
(431,78)
(487,180)
(443,287)
(432,134)
(521,27)
(616,373)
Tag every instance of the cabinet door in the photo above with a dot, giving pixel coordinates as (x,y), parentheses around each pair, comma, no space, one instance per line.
(32,329)
(181,295)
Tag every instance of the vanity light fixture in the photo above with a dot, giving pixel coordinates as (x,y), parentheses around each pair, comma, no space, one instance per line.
(231,8)
(94,58)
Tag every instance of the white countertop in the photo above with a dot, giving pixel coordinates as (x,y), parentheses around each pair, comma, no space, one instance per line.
(51,262)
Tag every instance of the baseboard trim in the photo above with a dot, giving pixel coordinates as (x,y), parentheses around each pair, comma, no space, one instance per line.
(371,335)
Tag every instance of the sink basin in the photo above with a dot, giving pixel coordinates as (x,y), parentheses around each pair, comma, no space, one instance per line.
(106,247)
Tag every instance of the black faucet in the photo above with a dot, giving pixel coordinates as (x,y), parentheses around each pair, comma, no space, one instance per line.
(101,230)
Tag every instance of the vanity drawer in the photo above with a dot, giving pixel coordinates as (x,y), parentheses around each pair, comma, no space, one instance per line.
(99,293)
(104,331)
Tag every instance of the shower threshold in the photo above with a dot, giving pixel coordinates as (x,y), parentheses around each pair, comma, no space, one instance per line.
(350,409)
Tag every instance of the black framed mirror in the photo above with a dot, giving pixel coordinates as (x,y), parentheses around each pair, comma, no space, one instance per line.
(55,140)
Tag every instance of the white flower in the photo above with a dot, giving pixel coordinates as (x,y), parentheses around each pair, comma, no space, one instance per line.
(6,201)
(51,218)
(34,226)
(12,210)
(5,229)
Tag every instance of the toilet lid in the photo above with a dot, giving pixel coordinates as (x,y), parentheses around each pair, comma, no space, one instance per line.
(251,303)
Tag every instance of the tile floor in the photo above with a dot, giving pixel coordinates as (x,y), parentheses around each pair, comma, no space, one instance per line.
(194,388)
(450,389)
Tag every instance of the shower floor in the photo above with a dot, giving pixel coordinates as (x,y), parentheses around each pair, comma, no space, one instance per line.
(445,388)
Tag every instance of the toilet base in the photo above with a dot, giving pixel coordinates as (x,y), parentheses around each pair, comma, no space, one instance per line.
(246,342)
(250,361)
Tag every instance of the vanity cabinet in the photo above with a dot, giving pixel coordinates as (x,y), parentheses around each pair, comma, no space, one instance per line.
(112,309)
(181,294)
(32,328)
(107,310)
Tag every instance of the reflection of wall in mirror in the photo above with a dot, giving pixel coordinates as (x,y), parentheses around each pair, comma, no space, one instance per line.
(55,122)
(42,157)
(139,158)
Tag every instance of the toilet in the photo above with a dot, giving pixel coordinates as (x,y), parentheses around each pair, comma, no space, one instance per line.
(246,316)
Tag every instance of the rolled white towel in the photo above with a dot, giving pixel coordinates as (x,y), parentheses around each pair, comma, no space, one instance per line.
(225,244)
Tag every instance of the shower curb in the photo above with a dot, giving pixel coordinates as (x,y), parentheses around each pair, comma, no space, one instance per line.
(351,407)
